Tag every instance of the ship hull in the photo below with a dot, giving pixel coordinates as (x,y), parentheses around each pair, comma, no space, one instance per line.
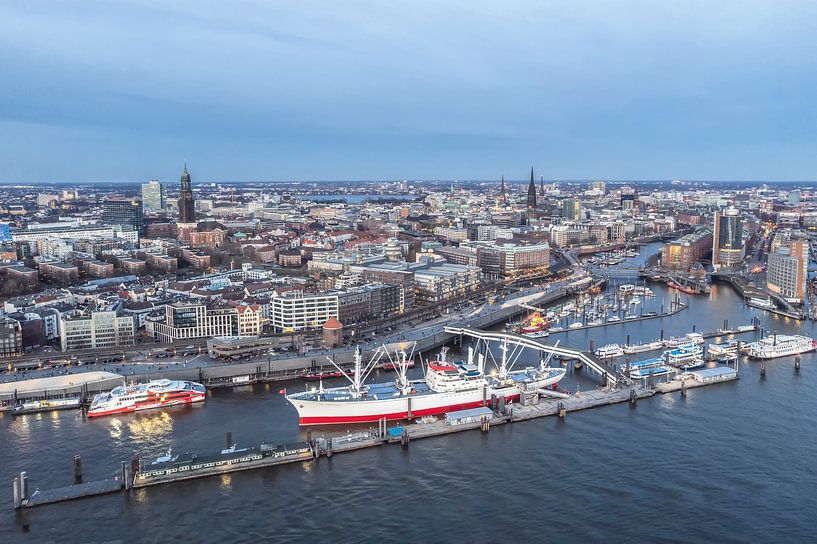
(148,404)
(314,412)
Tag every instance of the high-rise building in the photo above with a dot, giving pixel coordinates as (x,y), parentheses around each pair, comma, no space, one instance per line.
(153,195)
(572,209)
(531,196)
(187,207)
(787,271)
(727,239)
(5,232)
(123,211)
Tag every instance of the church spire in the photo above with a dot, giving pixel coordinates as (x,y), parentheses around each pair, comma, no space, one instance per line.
(502,198)
(531,194)
(542,186)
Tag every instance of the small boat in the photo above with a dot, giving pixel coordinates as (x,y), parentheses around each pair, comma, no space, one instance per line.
(613,319)
(576,325)
(166,458)
(538,334)
(654,371)
(640,348)
(325,374)
(631,316)
(609,351)
(693,364)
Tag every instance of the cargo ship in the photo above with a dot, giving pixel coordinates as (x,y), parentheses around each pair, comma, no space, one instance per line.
(446,387)
(146,396)
(779,345)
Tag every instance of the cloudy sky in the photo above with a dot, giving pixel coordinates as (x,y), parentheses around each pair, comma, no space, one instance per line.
(310,90)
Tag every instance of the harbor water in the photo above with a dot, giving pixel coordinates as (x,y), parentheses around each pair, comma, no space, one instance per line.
(728,463)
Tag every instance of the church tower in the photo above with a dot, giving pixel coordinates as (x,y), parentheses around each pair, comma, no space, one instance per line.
(187,207)
(531,195)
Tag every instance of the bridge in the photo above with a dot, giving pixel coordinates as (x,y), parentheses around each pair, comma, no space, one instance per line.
(603,369)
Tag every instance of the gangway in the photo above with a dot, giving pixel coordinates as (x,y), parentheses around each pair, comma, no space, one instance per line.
(595,364)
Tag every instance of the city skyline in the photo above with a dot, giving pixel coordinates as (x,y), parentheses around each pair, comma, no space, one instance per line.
(402,92)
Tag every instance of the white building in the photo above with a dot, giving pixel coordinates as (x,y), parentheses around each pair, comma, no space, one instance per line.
(297,311)
(95,330)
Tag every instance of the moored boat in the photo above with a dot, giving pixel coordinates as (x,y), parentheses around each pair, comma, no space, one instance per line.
(779,345)
(447,387)
(145,396)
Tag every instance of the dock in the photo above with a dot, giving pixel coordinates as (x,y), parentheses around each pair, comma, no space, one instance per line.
(533,405)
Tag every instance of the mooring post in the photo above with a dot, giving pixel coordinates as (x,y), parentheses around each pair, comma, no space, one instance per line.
(562,411)
(229,439)
(684,388)
(763,371)
(77,469)
(23,486)
(123,474)
(18,499)
(797,363)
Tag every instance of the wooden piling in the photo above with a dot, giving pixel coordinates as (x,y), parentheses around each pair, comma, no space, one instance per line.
(77,469)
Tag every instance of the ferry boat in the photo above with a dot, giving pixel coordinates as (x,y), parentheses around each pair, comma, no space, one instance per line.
(145,396)
(630,349)
(446,387)
(779,345)
(720,350)
(646,363)
(689,338)
(609,351)
(655,371)
(683,354)
(763,304)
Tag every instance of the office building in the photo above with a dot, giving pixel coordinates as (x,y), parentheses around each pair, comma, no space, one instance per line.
(95,330)
(787,271)
(571,209)
(11,337)
(123,211)
(153,195)
(727,239)
(681,254)
(297,311)
(511,260)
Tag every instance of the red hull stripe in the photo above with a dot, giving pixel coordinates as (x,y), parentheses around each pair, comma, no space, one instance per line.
(329,420)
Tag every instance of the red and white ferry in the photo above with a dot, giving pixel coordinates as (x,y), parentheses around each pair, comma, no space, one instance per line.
(146,396)
(447,387)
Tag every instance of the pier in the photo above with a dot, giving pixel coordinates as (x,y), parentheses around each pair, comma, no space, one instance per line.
(134,474)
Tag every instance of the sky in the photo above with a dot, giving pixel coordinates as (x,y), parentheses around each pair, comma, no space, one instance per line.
(308,90)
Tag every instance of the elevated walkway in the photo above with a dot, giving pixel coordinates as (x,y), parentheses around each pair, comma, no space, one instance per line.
(592,362)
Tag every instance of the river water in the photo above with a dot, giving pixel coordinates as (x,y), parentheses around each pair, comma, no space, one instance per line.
(730,463)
